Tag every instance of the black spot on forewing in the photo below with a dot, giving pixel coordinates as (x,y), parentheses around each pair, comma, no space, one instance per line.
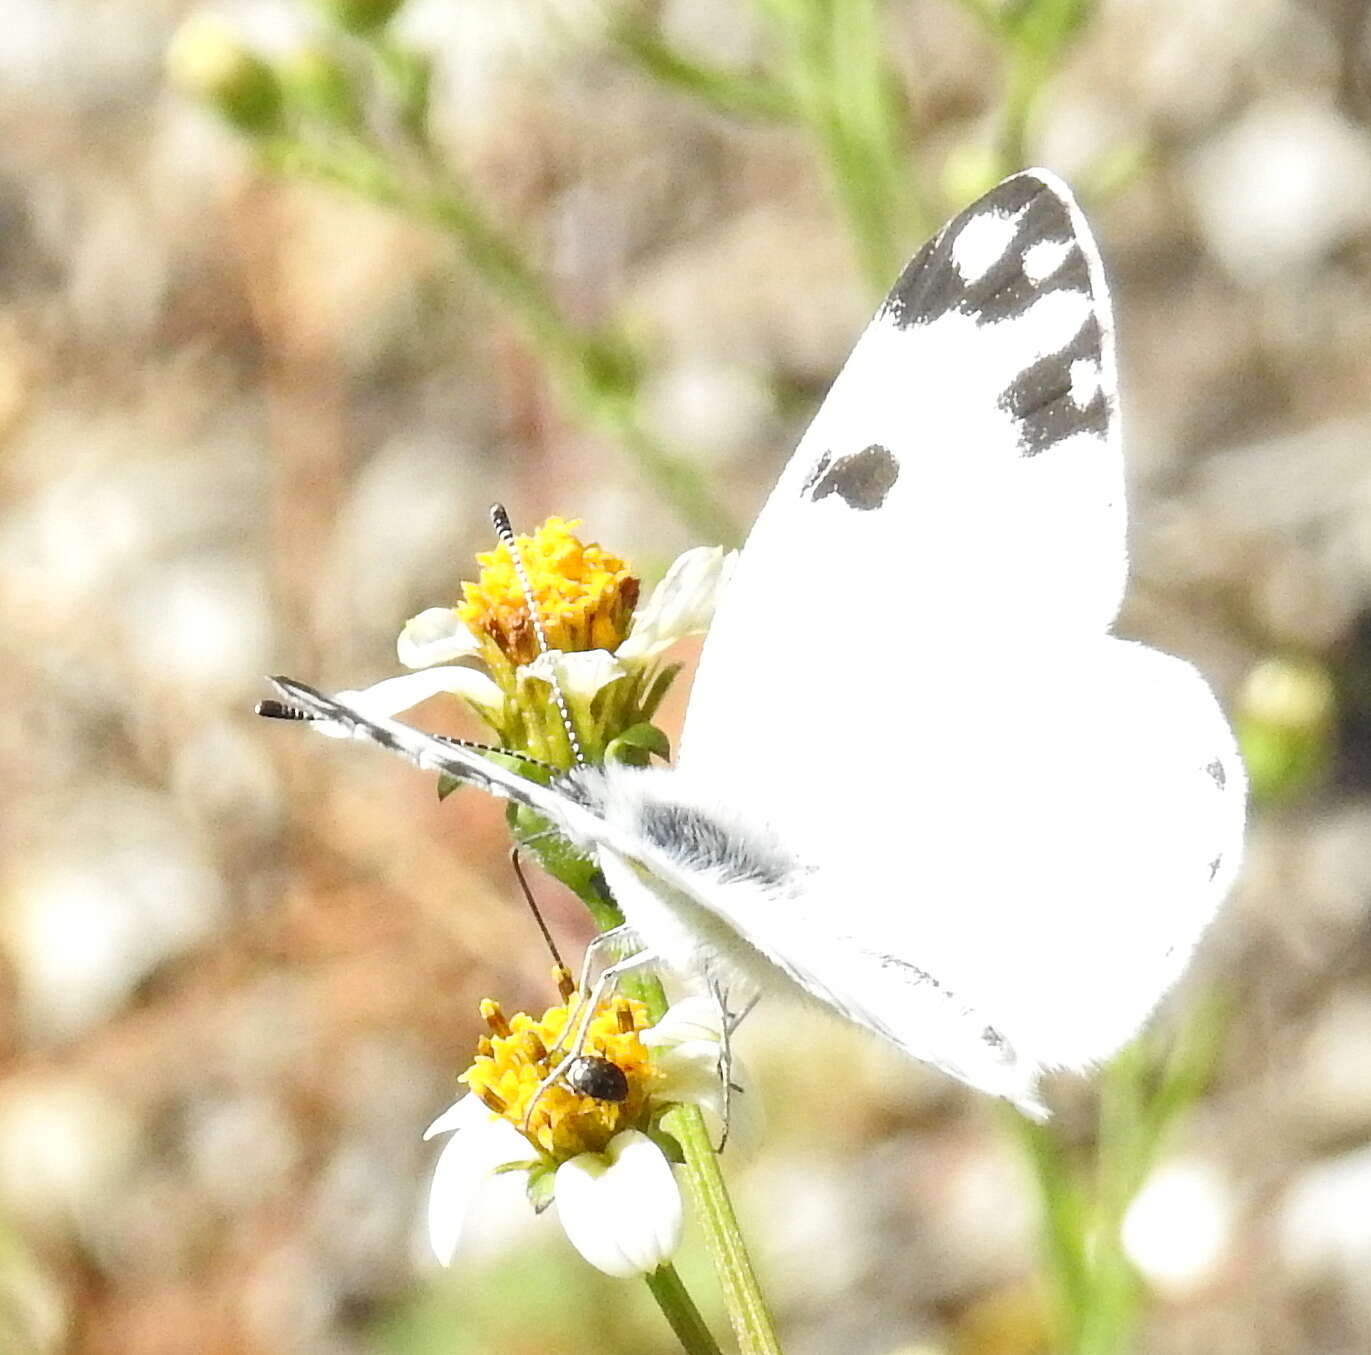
(1214,867)
(861,480)
(1217,773)
(1040,399)
(932,285)
(693,838)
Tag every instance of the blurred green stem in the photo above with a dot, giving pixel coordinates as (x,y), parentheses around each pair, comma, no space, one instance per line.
(730,92)
(1142,1095)
(836,55)
(834,79)
(597,372)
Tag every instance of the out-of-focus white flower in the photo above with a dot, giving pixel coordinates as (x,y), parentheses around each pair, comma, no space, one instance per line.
(1178,1229)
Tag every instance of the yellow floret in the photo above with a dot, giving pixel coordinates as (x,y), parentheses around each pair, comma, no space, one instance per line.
(585,595)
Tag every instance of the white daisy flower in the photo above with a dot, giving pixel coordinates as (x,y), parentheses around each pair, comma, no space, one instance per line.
(485,649)
(601,1161)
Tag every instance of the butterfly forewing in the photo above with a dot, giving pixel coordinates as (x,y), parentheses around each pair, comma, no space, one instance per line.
(962,483)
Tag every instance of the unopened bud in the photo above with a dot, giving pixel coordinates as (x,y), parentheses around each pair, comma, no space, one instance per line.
(207,60)
(1284,719)
(359,16)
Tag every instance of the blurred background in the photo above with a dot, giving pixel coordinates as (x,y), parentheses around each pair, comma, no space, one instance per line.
(282,313)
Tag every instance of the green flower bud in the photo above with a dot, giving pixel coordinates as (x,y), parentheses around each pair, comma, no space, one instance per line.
(359,16)
(207,60)
(1284,720)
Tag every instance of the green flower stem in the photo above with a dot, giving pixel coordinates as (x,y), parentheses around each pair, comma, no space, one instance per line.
(596,372)
(747,1307)
(1062,1223)
(679,1309)
(725,91)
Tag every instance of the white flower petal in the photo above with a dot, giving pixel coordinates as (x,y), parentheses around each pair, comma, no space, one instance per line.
(621,1209)
(690,1073)
(686,1046)
(436,635)
(391,696)
(581,674)
(466,1112)
(469,1158)
(682,604)
(696,1017)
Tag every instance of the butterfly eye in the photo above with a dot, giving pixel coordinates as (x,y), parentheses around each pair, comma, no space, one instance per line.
(590,1075)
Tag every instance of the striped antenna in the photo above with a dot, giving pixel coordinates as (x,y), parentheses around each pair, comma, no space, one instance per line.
(283,710)
(505,532)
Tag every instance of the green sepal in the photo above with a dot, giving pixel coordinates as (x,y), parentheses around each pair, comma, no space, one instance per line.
(542,1184)
(532,1165)
(637,745)
(668,1143)
(660,684)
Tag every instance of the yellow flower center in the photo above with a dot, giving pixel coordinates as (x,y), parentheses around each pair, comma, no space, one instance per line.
(585,595)
(514,1059)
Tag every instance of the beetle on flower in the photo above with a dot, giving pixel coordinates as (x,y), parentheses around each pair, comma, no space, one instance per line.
(602,1159)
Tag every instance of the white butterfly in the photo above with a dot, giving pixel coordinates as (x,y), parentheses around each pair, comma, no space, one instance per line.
(1008,854)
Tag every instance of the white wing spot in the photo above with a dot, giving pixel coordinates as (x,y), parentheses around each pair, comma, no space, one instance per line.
(1085,382)
(982,243)
(1042,258)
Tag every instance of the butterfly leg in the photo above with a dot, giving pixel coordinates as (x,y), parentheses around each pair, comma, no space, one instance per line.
(622,936)
(728,1023)
(581,1019)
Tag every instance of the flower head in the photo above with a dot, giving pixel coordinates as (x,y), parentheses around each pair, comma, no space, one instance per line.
(604,649)
(584,594)
(512,1061)
(598,1157)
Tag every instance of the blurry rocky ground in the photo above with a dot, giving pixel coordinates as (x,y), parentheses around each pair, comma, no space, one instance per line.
(250,426)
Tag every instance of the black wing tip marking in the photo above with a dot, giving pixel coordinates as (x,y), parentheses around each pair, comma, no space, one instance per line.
(932,284)
(1052,398)
(1042,399)
(860,479)
(1218,773)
